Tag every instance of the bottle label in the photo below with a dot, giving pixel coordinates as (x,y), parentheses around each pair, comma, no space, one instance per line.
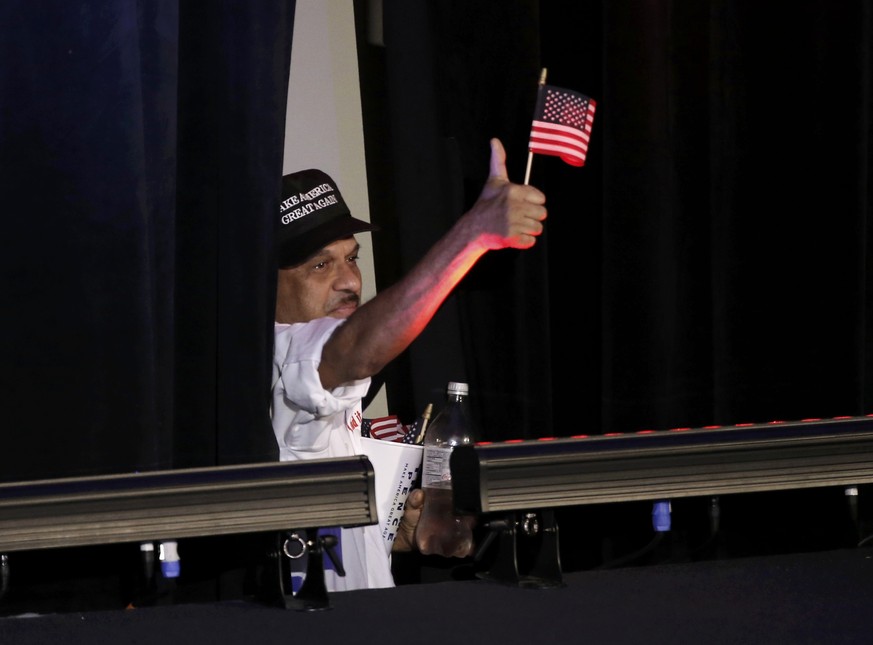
(436,472)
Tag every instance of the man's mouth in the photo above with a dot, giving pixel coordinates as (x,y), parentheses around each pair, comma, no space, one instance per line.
(345,308)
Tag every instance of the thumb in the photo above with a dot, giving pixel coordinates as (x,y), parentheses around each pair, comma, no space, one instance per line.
(415,499)
(498,160)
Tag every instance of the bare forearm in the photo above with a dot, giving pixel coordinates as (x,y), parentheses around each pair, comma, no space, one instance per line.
(386,325)
(506,215)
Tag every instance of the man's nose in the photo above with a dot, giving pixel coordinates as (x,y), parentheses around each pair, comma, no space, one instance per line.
(348,278)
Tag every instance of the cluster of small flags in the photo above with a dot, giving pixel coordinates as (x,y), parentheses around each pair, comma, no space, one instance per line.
(391,429)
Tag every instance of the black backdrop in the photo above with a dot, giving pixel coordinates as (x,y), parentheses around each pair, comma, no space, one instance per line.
(141,144)
(709,264)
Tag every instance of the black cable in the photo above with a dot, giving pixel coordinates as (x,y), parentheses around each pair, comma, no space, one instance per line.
(4,574)
(851,493)
(712,540)
(630,557)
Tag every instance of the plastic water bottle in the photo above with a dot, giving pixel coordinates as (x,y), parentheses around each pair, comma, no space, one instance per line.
(440,530)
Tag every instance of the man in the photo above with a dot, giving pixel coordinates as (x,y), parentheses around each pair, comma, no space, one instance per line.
(328,344)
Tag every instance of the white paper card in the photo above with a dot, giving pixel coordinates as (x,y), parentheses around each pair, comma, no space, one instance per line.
(397,466)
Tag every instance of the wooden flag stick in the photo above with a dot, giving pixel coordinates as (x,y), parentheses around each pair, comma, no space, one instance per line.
(529,153)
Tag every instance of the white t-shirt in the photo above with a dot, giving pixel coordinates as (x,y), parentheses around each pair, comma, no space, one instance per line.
(313,423)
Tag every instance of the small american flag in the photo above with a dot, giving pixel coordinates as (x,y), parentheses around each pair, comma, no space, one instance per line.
(562,124)
(387,429)
(412,431)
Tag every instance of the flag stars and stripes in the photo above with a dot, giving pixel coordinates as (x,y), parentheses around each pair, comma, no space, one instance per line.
(569,109)
(562,124)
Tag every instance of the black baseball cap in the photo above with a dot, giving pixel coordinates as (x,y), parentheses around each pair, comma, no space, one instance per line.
(312,214)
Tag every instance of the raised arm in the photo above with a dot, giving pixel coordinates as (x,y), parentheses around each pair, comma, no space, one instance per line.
(506,215)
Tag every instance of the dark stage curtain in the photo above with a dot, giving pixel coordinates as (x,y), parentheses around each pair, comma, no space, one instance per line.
(449,77)
(141,145)
(736,218)
(708,265)
(141,149)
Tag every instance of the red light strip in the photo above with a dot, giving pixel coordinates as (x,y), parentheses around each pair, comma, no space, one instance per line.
(682,429)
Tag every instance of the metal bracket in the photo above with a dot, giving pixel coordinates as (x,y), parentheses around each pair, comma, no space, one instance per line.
(532,534)
(293,545)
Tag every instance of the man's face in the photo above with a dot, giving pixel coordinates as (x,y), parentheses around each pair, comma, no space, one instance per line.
(326,284)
